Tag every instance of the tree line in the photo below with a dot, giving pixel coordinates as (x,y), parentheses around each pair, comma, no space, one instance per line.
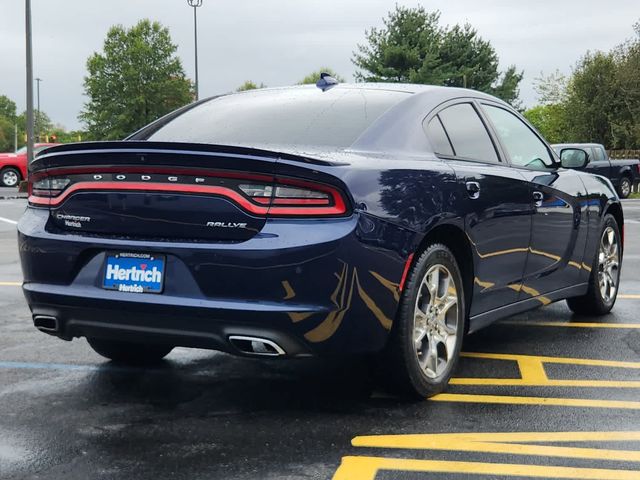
(599,102)
(137,78)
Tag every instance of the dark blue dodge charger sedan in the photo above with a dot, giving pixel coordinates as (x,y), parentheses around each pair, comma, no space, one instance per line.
(388,219)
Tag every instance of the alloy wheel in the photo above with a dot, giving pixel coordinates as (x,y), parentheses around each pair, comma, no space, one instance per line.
(435,323)
(625,188)
(608,264)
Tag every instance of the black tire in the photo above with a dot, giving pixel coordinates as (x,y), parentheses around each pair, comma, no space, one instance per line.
(624,189)
(10,177)
(399,363)
(129,352)
(593,302)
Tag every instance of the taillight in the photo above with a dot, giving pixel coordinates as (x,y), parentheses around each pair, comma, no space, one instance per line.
(306,199)
(48,186)
(257,194)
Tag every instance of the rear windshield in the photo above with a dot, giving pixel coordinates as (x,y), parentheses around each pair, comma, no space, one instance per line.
(288,117)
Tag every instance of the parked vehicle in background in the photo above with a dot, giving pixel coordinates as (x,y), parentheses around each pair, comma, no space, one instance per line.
(624,174)
(13,166)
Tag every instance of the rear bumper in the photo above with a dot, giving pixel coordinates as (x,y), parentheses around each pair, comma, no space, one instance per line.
(318,287)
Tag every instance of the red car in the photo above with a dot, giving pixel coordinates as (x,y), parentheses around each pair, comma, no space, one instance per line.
(13,166)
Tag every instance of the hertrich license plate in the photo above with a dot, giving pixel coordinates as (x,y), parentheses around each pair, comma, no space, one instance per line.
(134,272)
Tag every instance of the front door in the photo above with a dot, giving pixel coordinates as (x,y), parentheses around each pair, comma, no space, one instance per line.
(559,225)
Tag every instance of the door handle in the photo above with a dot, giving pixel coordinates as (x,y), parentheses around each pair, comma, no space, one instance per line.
(473,189)
(538,197)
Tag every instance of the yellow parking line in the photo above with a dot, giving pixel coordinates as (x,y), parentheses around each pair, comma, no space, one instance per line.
(544,401)
(516,443)
(517,382)
(560,360)
(629,296)
(366,468)
(10,284)
(533,374)
(574,324)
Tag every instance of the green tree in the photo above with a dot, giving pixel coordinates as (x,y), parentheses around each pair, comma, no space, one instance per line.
(550,120)
(625,123)
(593,99)
(413,47)
(552,88)
(6,134)
(135,80)
(313,77)
(250,85)
(7,108)
(7,123)
(41,124)
(550,116)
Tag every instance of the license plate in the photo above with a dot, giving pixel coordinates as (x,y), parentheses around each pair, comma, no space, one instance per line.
(134,272)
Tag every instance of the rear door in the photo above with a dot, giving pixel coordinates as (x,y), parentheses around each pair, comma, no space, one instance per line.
(493,198)
(559,224)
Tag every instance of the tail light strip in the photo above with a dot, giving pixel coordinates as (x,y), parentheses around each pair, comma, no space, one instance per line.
(333,205)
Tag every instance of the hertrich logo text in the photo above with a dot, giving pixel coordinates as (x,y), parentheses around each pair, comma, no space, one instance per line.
(133,274)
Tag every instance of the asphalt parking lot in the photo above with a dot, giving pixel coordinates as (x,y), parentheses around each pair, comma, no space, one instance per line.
(546,394)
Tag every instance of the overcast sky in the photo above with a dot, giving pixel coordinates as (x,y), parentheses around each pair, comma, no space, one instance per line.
(279,41)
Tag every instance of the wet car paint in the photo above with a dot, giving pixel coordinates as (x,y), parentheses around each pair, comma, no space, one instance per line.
(520,254)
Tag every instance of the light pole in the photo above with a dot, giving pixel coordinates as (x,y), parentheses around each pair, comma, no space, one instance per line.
(29,83)
(195,4)
(38,117)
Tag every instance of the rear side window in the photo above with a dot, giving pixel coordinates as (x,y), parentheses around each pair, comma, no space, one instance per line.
(438,137)
(598,154)
(468,135)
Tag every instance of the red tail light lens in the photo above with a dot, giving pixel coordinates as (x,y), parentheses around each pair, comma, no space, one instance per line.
(48,186)
(256,194)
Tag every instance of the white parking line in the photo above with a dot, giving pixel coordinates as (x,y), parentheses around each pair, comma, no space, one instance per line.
(8,220)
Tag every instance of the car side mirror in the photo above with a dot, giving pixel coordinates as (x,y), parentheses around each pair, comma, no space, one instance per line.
(574,158)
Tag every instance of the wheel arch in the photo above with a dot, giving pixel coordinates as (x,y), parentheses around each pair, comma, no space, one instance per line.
(615,209)
(455,238)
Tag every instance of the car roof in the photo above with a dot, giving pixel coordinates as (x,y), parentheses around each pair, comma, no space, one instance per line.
(399,129)
(577,145)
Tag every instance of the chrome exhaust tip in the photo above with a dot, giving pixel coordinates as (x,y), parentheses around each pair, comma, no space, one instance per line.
(256,346)
(46,323)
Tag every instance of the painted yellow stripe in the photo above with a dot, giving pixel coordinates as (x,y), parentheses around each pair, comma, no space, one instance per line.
(503,444)
(629,296)
(575,324)
(557,360)
(516,382)
(544,401)
(366,468)
(10,284)
(523,437)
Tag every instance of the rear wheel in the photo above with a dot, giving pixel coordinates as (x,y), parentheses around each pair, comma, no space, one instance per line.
(10,177)
(129,352)
(605,274)
(624,190)
(426,338)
